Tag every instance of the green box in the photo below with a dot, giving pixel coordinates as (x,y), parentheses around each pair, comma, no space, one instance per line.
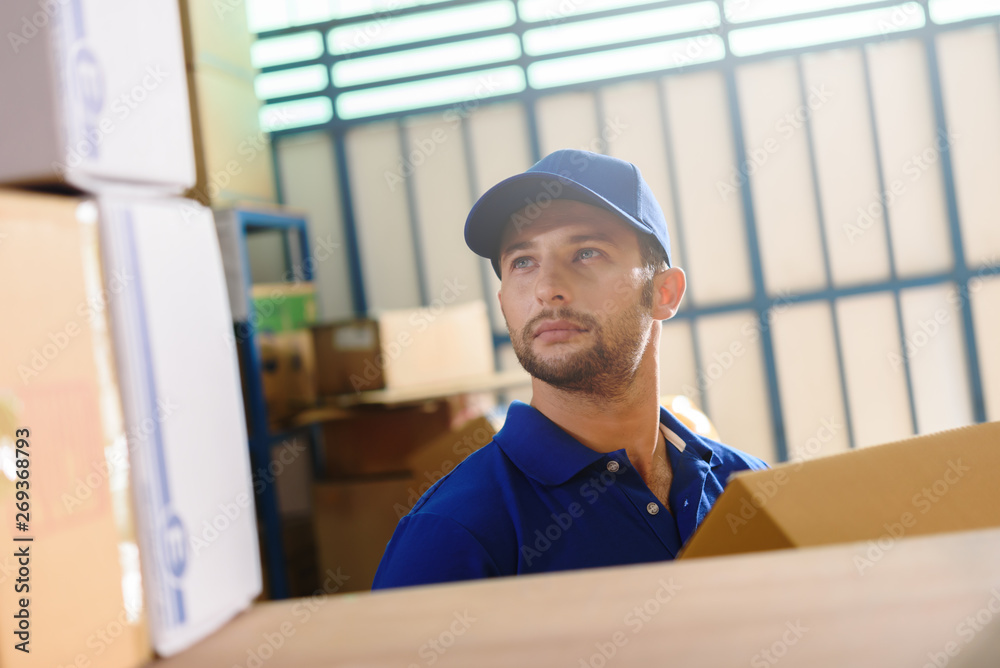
(283,307)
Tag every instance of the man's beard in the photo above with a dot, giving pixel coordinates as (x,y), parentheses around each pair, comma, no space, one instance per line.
(606,368)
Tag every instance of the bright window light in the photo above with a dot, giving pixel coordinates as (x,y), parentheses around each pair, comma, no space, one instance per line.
(286,49)
(741,11)
(265,15)
(295,114)
(638,25)
(390,31)
(429,59)
(457,88)
(290,82)
(555,10)
(301,12)
(795,34)
(347,8)
(950,11)
(630,60)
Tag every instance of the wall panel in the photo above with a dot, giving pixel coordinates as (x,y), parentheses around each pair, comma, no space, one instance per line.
(876,387)
(779,173)
(441,197)
(972,108)
(846,168)
(933,329)
(733,382)
(701,133)
(382,216)
(911,165)
(309,181)
(809,381)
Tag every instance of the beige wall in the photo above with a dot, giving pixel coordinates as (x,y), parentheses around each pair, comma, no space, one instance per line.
(678,130)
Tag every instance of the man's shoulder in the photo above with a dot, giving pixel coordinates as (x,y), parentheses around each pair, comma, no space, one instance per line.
(472,489)
(723,456)
(732,458)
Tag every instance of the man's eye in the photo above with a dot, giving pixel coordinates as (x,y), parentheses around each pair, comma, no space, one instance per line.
(519,263)
(587,253)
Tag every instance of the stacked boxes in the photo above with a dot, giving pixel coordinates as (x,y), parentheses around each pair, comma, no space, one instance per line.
(233,155)
(281,314)
(58,390)
(175,352)
(404,348)
(100,95)
(99,105)
(367,508)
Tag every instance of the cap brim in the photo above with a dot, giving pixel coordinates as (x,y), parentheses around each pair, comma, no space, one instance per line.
(485,224)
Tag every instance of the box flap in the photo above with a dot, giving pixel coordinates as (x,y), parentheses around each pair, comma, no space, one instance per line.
(922,485)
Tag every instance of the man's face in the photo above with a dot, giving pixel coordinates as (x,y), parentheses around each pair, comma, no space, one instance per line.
(576,297)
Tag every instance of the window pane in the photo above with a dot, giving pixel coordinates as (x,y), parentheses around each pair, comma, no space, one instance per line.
(286,49)
(740,11)
(795,34)
(290,82)
(949,11)
(295,114)
(390,31)
(630,60)
(672,20)
(553,10)
(442,90)
(266,15)
(430,59)
(346,8)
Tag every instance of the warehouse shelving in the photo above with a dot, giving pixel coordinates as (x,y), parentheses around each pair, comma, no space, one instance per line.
(294,234)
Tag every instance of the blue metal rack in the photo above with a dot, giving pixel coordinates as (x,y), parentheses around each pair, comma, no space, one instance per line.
(294,233)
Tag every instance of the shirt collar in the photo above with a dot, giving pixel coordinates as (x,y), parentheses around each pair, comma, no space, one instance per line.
(695,446)
(542,450)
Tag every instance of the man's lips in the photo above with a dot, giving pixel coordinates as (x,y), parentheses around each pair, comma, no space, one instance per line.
(557,330)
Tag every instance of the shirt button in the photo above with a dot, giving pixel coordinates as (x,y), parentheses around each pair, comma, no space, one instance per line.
(652,508)
(612,466)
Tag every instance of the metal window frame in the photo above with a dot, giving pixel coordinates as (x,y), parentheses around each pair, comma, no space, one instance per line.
(761,302)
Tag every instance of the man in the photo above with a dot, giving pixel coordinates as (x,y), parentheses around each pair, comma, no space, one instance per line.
(594,472)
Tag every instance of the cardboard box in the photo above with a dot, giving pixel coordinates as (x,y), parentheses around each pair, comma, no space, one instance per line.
(57,381)
(354,519)
(353,522)
(184,413)
(216,33)
(923,485)
(404,348)
(380,440)
(283,307)
(101,95)
(432,460)
(233,155)
(288,373)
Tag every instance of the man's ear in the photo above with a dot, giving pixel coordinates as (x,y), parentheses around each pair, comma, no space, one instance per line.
(668,291)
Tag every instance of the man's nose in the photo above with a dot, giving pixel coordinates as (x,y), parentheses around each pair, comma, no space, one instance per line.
(552,285)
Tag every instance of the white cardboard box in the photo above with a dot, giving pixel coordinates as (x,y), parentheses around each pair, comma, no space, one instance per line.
(94,91)
(180,385)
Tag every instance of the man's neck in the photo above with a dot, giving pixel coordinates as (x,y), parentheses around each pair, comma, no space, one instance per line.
(629,420)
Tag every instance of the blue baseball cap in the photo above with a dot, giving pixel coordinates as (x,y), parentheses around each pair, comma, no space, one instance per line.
(591,178)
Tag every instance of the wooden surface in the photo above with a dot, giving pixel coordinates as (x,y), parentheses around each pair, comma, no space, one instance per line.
(334,405)
(811,607)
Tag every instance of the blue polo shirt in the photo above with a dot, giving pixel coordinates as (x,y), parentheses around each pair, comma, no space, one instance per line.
(537,500)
